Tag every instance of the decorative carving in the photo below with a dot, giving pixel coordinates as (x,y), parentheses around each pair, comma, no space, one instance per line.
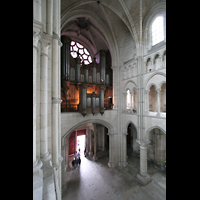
(36,38)
(44,47)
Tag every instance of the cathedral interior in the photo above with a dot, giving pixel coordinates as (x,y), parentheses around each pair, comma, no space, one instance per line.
(99,85)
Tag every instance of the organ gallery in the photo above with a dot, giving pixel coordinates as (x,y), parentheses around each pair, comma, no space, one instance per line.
(86,83)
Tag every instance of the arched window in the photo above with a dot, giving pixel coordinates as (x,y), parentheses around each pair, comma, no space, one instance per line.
(157,30)
(83,52)
(128,100)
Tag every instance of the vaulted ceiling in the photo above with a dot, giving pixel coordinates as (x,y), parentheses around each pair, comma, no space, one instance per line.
(104,24)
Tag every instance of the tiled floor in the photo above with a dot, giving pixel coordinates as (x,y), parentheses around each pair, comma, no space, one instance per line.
(95,180)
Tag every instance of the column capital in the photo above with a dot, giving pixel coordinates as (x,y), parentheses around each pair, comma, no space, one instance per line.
(143,143)
(158,90)
(57,165)
(36,38)
(45,157)
(44,47)
(112,134)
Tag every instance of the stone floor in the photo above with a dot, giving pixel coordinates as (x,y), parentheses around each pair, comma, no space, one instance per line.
(96,181)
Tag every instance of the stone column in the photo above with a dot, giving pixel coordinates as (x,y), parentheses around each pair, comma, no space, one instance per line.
(158,101)
(90,143)
(124,162)
(44,153)
(95,143)
(37,7)
(112,149)
(55,101)
(36,37)
(49,11)
(143,176)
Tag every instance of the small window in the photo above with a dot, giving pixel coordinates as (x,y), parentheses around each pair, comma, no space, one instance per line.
(157,30)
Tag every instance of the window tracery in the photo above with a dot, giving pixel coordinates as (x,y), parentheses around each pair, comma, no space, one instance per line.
(78,49)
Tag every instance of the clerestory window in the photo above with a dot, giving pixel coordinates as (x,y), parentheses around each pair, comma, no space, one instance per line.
(157,30)
(84,54)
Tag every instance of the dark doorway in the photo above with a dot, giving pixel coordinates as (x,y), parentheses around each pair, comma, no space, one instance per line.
(129,139)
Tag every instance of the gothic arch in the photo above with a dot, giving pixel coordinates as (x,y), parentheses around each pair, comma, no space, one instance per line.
(160,84)
(152,75)
(146,59)
(99,121)
(155,56)
(151,128)
(134,85)
(149,86)
(126,126)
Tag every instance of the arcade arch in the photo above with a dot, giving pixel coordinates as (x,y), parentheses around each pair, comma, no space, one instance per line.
(157,148)
(132,145)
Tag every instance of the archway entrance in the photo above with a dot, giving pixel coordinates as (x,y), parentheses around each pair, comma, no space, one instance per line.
(132,145)
(91,136)
(157,148)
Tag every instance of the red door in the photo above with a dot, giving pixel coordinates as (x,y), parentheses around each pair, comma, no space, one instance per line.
(72,143)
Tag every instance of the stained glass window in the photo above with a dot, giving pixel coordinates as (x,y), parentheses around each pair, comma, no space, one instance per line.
(83,52)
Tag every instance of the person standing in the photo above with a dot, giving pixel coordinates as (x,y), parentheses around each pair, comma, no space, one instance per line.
(76,162)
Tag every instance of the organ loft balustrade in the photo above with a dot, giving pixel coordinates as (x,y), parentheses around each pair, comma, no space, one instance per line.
(86,85)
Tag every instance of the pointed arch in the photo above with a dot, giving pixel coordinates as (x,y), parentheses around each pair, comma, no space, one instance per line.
(150,129)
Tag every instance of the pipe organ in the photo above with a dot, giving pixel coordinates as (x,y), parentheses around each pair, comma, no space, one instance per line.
(85,88)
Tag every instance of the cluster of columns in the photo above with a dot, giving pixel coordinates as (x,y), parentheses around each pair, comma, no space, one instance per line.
(46,100)
(143,176)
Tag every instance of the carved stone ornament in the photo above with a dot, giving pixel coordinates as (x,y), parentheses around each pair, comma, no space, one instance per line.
(36,38)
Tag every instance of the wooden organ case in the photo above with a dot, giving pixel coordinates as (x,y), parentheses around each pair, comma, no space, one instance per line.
(85,88)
